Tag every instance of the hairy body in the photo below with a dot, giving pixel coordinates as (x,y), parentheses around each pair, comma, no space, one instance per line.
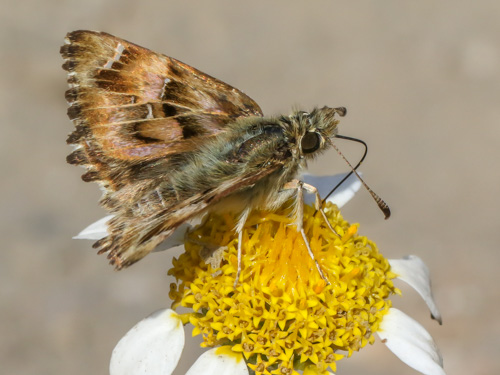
(167,142)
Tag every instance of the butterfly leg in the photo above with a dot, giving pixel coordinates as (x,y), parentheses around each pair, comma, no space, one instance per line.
(239,229)
(318,204)
(300,186)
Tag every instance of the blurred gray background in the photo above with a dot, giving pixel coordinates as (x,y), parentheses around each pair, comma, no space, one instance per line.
(421,81)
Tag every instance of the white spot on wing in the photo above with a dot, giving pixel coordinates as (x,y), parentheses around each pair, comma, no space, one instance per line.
(150,111)
(160,197)
(118,54)
(165,83)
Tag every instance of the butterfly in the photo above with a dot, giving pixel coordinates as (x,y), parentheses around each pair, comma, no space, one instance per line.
(167,143)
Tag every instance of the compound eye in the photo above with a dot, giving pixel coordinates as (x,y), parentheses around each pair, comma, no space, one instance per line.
(310,142)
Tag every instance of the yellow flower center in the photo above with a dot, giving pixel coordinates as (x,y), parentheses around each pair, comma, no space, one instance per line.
(282,316)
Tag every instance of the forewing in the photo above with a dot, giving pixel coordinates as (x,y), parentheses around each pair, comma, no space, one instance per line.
(135,109)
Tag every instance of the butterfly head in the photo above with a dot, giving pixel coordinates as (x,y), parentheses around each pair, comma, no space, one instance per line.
(312,131)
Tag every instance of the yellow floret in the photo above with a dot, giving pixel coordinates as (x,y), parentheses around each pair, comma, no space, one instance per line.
(282,316)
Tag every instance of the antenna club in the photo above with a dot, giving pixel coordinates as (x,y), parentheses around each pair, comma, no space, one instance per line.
(381,204)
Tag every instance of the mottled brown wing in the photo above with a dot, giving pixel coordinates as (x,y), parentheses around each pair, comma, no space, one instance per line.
(132,238)
(134,109)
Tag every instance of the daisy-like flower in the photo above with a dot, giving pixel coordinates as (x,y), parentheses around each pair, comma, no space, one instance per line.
(282,317)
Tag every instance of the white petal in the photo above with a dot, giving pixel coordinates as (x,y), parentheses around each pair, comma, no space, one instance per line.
(410,342)
(211,363)
(175,239)
(152,346)
(99,229)
(324,184)
(412,270)
(95,231)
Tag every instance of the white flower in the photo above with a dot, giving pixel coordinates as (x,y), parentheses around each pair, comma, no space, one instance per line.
(155,344)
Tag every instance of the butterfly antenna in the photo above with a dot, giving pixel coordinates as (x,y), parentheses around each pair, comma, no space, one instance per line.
(381,204)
